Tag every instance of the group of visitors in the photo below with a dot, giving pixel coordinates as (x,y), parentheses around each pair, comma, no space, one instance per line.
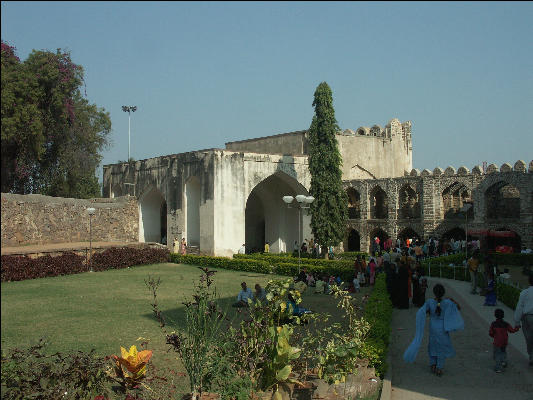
(246,294)
(406,283)
(421,249)
(445,318)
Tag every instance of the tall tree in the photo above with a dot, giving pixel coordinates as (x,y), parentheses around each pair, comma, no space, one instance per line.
(51,136)
(330,208)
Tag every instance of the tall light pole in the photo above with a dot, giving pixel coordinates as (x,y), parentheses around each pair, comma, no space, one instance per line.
(91,211)
(303,202)
(465,209)
(129,110)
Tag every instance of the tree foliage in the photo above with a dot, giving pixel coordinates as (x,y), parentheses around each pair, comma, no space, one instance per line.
(330,208)
(51,135)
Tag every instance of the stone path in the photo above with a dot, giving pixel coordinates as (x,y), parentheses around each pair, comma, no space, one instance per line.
(59,247)
(468,375)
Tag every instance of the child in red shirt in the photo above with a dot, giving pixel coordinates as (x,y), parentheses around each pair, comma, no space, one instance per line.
(498,330)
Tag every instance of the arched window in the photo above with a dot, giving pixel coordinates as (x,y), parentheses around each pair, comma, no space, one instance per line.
(378,204)
(502,200)
(409,206)
(454,197)
(354,204)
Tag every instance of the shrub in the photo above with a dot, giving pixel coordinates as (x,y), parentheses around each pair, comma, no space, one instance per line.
(124,257)
(507,294)
(378,313)
(249,265)
(29,373)
(18,268)
(274,259)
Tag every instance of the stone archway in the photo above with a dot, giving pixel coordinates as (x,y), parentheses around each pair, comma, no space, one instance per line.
(354,241)
(502,200)
(378,204)
(408,233)
(152,216)
(382,235)
(192,211)
(354,203)
(409,206)
(268,219)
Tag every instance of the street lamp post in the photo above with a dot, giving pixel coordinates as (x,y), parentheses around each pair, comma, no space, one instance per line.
(129,110)
(465,209)
(91,211)
(303,203)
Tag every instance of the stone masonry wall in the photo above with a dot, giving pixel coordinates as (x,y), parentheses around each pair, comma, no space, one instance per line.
(37,219)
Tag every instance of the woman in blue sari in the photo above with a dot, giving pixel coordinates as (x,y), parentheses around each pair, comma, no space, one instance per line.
(444,318)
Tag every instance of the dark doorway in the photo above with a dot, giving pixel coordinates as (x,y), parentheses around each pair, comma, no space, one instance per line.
(354,241)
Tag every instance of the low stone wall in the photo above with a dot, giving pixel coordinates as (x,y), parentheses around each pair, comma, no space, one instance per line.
(37,219)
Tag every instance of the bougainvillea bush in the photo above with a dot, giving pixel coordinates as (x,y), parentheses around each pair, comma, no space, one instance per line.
(18,268)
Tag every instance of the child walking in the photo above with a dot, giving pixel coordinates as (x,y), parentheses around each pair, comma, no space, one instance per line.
(498,330)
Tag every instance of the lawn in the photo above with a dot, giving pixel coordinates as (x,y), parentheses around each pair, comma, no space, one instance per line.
(106,310)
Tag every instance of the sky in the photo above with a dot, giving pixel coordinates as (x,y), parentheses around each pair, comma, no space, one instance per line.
(205,73)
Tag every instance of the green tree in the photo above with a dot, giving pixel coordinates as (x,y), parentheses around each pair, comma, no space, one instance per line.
(51,135)
(330,208)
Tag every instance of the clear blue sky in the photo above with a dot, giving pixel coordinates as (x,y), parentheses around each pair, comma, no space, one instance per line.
(205,73)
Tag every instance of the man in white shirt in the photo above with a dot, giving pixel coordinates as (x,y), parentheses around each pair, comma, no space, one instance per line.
(524,314)
(242,250)
(244,295)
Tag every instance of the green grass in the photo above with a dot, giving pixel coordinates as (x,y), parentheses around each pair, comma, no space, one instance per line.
(106,310)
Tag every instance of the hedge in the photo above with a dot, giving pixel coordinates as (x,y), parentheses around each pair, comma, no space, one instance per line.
(378,313)
(18,268)
(273,259)
(250,265)
(274,264)
(505,293)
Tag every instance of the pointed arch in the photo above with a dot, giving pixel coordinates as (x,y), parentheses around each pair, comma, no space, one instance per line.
(378,204)
(152,216)
(268,219)
(354,203)
(502,200)
(409,204)
(454,197)
(192,197)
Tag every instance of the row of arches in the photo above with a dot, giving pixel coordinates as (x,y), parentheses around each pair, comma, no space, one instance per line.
(513,240)
(153,214)
(502,200)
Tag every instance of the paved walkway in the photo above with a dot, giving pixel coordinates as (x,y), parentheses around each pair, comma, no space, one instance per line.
(469,375)
(59,247)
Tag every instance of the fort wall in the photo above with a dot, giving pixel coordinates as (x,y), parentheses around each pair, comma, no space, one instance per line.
(36,219)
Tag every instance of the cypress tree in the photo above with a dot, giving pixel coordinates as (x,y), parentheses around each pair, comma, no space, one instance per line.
(330,208)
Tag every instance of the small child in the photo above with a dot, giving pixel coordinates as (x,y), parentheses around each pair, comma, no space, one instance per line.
(498,330)
(356,285)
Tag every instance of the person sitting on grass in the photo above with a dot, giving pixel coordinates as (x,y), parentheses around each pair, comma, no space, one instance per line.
(296,309)
(260,294)
(320,286)
(244,295)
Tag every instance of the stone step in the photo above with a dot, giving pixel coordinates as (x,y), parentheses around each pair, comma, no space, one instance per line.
(195,250)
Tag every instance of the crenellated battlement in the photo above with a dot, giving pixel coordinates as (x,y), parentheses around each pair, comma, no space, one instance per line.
(394,128)
(519,166)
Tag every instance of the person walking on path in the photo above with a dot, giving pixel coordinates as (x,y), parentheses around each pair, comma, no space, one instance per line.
(473,264)
(444,318)
(498,330)
(524,315)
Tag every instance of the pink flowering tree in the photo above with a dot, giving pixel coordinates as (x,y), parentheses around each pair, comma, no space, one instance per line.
(51,136)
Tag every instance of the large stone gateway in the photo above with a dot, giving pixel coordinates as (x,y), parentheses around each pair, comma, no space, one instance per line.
(218,199)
